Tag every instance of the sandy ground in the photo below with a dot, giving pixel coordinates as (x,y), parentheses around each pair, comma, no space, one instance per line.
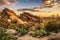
(55,36)
(27,37)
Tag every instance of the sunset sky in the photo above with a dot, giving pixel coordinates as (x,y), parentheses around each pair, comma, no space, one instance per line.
(47,5)
(20,3)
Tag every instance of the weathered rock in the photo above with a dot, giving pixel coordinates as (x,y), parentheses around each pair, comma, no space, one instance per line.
(10,15)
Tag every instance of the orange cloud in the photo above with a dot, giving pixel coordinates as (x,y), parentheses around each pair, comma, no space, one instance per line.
(51,3)
(8,2)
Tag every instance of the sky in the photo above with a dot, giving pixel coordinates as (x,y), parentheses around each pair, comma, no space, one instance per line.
(28,3)
(47,5)
(20,4)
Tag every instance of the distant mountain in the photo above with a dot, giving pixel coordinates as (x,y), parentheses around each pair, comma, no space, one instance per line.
(10,15)
(32,10)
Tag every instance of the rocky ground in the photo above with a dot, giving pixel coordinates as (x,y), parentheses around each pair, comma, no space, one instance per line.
(53,36)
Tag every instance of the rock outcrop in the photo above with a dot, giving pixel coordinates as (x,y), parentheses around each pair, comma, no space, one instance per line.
(29,17)
(10,15)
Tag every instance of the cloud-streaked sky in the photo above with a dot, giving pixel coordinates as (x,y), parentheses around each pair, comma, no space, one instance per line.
(17,4)
(7,2)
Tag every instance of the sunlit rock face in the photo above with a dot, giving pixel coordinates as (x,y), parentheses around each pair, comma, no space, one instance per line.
(10,15)
(26,16)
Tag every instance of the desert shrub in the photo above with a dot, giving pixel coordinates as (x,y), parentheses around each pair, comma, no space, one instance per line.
(27,27)
(5,36)
(53,26)
(38,26)
(13,26)
(40,31)
(23,29)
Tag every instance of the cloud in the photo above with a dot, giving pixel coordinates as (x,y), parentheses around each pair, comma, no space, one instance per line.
(8,2)
(51,3)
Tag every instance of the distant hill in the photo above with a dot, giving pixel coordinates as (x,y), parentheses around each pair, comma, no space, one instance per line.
(26,9)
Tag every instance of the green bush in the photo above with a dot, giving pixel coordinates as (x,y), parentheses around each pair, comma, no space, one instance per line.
(5,36)
(53,26)
(23,29)
(40,32)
